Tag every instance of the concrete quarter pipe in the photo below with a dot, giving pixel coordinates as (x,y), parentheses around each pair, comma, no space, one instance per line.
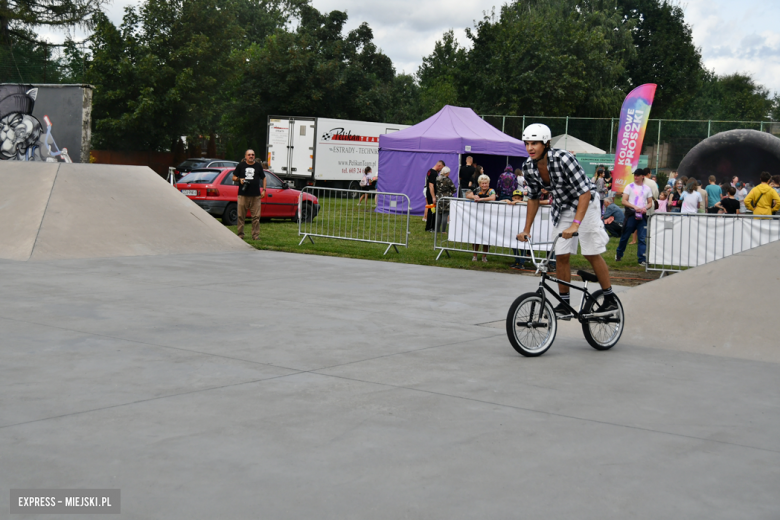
(725,308)
(57,211)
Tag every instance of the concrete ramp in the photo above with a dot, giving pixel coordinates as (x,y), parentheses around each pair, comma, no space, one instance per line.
(725,308)
(58,211)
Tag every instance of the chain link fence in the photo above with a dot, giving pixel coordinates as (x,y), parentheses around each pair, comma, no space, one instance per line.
(667,141)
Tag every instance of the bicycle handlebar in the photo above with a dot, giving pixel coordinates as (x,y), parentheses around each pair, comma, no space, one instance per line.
(544,261)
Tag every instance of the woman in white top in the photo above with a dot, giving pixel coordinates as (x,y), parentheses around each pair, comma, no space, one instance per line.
(691,198)
(741,194)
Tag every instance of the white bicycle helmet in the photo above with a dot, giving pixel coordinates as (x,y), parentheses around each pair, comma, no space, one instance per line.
(537,132)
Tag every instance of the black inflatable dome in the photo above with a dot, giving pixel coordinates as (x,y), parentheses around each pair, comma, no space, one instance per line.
(744,153)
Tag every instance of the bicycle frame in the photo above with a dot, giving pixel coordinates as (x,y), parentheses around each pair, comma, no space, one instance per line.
(543,294)
(541,267)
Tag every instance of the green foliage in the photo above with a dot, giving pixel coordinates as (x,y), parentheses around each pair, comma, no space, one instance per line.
(28,61)
(200,67)
(557,57)
(19,17)
(735,97)
(168,70)
(439,74)
(220,67)
(315,71)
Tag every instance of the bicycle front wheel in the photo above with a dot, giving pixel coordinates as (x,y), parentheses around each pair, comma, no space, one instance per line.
(531,326)
(602,332)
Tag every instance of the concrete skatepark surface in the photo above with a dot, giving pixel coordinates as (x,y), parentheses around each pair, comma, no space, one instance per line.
(256,384)
(55,210)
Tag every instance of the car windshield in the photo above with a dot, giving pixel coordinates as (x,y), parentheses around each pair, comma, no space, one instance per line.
(190,164)
(199,177)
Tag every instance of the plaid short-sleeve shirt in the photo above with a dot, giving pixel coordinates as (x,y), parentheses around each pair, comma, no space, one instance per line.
(567,181)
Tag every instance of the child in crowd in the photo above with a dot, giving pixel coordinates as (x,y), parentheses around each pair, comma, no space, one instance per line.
(365,185)
(662,197)
(729,204)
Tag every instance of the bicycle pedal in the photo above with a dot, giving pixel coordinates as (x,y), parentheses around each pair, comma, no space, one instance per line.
(565,317)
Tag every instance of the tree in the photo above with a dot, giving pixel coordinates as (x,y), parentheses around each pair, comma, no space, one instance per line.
(558,57)
(29,61)
(665,54)
(315,70)
(439,74)
(734,97)
(18,17)
(404,106)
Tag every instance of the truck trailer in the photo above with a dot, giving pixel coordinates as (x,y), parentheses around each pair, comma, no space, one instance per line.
(317,151)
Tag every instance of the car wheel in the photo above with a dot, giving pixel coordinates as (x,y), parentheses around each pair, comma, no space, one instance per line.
(230,216)
(307,212)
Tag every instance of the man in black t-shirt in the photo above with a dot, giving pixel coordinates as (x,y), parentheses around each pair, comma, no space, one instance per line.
(430,194)
(466,173)
(249,175)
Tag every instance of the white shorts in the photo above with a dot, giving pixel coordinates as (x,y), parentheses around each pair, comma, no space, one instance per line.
(592,234)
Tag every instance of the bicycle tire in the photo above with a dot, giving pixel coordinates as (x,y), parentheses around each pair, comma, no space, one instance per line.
(602,333)
(525,339)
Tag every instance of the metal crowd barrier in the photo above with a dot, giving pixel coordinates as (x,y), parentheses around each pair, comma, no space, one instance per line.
(676,241)
(492,224)
(382,219)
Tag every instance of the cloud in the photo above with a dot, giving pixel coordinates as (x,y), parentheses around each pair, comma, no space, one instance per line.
(738,38)
(407,30)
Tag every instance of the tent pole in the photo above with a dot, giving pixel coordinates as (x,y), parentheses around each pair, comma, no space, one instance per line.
(460,165)
(503,124)
(566,134)
(611,132)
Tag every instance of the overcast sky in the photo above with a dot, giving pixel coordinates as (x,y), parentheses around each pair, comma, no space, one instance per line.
(733,36)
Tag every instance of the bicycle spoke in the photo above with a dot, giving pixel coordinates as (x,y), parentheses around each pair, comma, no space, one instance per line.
(532,336)
(603,330)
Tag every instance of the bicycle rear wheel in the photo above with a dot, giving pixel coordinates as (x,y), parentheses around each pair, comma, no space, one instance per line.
(531,327)
(602,332)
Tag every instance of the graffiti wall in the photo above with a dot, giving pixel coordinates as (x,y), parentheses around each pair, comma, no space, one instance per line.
(49,123)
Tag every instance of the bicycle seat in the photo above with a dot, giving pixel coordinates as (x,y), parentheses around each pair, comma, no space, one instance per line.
(586,276)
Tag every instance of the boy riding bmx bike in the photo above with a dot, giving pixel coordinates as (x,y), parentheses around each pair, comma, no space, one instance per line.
(576,217)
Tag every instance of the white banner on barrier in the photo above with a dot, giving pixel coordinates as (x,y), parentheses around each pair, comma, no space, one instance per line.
(497,224)
(680,240)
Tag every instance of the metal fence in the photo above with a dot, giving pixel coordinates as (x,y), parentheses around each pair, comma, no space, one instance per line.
(380,218)
(488,228)
(666,141)
(676,241)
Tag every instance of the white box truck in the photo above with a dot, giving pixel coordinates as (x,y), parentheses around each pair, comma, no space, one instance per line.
(324,152)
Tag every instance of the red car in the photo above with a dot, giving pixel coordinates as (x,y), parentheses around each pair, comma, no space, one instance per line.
(214,190)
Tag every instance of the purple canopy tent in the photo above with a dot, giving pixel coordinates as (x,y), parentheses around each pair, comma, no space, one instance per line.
(407,155)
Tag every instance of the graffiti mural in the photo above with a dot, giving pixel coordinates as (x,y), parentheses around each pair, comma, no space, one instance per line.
(22,136)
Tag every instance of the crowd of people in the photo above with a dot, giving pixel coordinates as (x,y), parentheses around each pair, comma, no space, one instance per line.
(626,220)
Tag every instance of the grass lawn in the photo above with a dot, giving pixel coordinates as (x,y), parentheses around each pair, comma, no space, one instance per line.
(282,235)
